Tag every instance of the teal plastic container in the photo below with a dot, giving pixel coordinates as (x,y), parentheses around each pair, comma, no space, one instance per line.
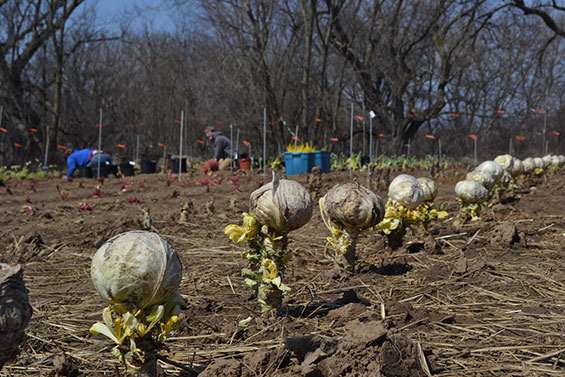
(322,160)
(298,162)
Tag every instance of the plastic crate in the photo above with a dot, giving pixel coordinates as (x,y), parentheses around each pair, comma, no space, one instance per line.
(298,162)
(322,160)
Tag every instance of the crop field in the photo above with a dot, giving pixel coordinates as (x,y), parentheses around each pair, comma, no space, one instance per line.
(481,298)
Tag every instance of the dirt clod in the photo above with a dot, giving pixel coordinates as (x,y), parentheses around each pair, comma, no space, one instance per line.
(505,234)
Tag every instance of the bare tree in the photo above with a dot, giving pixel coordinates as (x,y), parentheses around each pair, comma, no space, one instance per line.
(26,26)
(545,12)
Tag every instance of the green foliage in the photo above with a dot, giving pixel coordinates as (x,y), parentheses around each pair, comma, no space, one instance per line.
(403,162)
(340,162)
(25,172)
(277,163)
(468,211)
(135,328)
(268,259)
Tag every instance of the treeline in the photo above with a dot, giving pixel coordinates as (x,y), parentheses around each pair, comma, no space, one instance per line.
(420,73)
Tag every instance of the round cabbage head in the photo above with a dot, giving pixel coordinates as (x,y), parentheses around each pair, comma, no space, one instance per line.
(429,188)
(406,190)
(481,177)
(282,204)
(136,267)
(547,160)
(506,161)
(471,192)
(352,206)
(493,169)
(529,165)
(517,168)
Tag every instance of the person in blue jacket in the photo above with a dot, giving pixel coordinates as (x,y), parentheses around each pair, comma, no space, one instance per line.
(85,157)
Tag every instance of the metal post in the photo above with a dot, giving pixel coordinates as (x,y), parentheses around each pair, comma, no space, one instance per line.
(1,113)
(510,147)
(351,144)
(137,150)
(544,149)
(475,151)
(99,143)
(180,142)
(231,141)
(363,121)
(264,139)
(237,144)
(370,137)
(439,147)
(377,150)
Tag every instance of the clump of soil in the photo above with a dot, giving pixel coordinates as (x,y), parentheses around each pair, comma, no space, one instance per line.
(64,367)
(507,234)
(366,349)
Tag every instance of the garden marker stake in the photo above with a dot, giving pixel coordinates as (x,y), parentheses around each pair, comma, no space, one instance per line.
(1,113)
(264,139)
(136,159)
(237,144)
(180,142)
(99,143)
(351,143)
(474,137)
(231,141)
(371,116)
(544,112)
(363,122)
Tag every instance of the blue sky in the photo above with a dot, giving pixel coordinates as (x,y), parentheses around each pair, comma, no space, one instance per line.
(141,12)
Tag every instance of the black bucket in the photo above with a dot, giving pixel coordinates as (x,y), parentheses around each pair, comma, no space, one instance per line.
(84,172)
(175,165)
(103,171)
(148,166)
(126,169)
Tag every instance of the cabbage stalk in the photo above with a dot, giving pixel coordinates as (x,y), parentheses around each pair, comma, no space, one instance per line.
(275,209)
(347,210)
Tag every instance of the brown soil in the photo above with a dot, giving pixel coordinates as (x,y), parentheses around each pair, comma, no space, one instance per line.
(484,298)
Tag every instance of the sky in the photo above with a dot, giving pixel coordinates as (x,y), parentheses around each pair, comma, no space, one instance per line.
(153,13)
